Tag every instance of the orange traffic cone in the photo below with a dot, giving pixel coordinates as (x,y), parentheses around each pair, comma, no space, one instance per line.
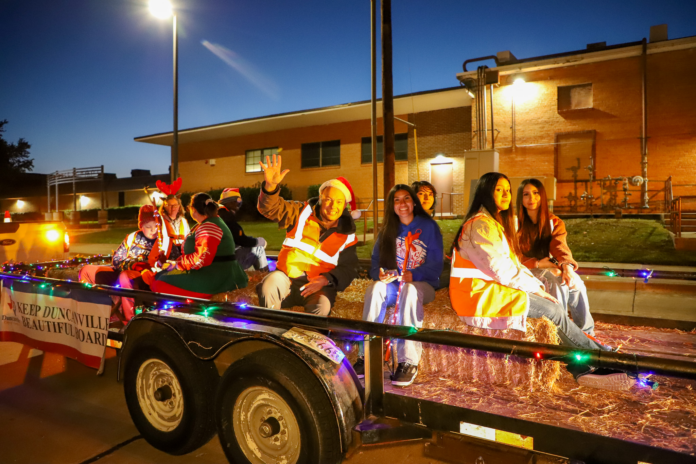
(8,218)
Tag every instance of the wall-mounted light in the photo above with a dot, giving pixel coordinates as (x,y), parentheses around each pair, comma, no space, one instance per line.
(20,204)
(469,85)
(84,201)
(441,159)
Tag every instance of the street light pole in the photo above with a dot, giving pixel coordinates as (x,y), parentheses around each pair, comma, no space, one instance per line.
(175,144)
(163,9)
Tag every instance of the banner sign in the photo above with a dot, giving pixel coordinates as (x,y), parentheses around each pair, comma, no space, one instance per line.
(70,322)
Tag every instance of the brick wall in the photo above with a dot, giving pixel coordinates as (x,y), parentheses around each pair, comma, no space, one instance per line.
(615,116)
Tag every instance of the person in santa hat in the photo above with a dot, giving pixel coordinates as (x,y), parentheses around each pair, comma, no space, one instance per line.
(250,251)
(129,260)
(318,257)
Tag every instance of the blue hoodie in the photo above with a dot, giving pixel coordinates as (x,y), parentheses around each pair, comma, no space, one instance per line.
(426,260)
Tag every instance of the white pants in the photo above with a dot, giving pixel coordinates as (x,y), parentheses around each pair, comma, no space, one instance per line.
(413,296)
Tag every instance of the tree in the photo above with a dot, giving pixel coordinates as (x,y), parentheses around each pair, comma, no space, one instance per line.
(14,158)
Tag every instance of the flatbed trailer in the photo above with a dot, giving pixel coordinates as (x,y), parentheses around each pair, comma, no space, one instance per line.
(275,387)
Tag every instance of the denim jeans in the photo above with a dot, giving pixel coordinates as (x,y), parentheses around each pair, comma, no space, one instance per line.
(574,299)
(252,256)
(570,334)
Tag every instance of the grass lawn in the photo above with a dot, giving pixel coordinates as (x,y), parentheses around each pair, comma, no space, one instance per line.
(639,241)
(595,240)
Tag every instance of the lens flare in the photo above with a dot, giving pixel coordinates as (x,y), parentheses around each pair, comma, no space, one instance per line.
(246,69)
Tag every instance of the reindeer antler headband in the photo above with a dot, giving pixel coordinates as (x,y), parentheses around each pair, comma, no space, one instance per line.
(169,189)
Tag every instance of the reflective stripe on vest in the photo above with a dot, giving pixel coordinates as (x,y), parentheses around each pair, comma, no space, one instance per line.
(130,240)
(465,272)
(183,226)
(296,241)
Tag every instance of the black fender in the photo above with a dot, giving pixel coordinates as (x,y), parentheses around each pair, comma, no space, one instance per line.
(224,346)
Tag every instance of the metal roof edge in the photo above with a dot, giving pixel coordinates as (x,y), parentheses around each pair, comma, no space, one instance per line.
(144,138)
(612,52)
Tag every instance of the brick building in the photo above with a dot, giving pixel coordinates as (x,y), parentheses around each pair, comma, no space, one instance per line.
(324,143)
(558,115)
(554,116)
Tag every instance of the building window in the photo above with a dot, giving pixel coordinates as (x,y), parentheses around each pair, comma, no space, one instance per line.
(319,154)
(400,148)
(254,156)
(121,198)
(574,97)
(575,152)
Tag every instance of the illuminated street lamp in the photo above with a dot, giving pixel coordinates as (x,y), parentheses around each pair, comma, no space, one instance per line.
(162,9)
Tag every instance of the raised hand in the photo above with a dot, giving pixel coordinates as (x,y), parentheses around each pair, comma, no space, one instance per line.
(272,172)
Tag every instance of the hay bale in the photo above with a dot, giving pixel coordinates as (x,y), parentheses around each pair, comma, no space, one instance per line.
(462,364)
(445,362)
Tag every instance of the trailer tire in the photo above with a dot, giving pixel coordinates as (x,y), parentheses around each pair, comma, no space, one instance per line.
(271,408)
(169,394)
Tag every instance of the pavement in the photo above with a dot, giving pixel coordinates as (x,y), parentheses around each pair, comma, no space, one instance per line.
(91,249)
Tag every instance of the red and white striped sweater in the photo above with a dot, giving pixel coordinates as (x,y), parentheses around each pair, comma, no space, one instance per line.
(208,238)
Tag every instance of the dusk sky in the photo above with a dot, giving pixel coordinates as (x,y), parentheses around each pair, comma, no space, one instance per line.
(79,79)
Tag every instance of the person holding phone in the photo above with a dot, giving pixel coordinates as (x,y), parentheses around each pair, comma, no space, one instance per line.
(407,261)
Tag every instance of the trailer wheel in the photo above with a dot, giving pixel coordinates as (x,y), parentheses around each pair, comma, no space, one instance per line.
(271,408)
(168,393)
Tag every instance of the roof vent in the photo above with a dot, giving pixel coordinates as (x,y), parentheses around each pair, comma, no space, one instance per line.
(658,33)
(506,57)
(597,46)
(140,173)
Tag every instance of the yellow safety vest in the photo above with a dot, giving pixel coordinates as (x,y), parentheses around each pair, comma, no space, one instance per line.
(303,253)
(481,301)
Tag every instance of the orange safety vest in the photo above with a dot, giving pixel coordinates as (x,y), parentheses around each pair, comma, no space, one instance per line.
(303,253)
(479,300)
(169,235)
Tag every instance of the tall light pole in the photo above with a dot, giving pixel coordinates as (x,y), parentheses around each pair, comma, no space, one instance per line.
(163,9)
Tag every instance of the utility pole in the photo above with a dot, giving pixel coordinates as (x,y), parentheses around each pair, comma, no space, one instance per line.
(373,115)
(387,100)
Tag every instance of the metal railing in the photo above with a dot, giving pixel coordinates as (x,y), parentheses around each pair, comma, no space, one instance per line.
(675,213)
(451,202)
(613,360)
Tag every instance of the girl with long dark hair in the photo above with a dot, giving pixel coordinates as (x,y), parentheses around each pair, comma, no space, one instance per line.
(491,289)
(542,236)
(408,251)
(427,195)
(208,264)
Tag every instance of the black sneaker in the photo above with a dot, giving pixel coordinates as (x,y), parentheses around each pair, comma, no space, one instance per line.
(405,375)
(606,379)
(359,368)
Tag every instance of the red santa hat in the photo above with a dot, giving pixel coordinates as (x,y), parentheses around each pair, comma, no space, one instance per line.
(342,184)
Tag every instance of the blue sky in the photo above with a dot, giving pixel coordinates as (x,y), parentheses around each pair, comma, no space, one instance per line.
(79,79)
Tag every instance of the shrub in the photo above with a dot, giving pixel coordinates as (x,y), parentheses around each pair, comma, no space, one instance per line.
(313,191)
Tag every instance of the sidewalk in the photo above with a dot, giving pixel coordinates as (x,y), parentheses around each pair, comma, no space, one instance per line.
(91,249)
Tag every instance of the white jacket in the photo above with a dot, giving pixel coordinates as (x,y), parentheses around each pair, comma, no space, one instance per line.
(483,243)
